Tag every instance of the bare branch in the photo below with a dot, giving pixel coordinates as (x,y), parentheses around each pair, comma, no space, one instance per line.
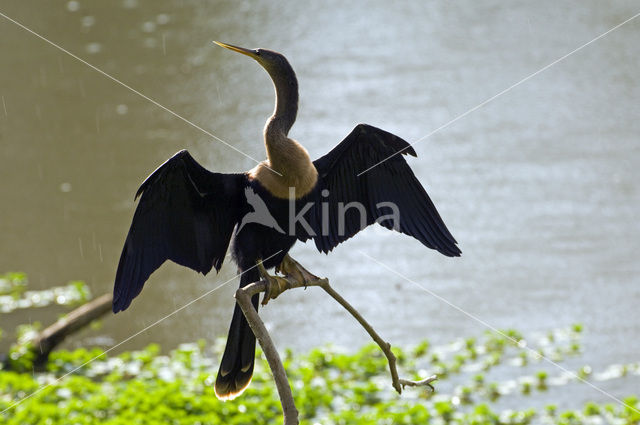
(243,297)
(422,383)
(397,382)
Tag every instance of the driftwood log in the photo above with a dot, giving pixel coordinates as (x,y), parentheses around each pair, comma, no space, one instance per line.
(49,338)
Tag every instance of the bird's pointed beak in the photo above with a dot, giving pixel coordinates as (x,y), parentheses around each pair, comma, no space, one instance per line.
(248,52)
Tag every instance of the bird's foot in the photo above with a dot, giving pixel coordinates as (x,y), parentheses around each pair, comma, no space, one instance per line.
(276,285)
(292,269)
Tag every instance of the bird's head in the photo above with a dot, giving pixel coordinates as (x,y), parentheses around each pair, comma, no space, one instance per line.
(275,63)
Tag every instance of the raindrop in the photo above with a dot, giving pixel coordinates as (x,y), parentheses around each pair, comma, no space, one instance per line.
(149,26)
(218,91)
(73,6)
(197,61)
(43,76)
(61,299)
(130,4)
(162,19)
(93,48)
(83,93)
(150,42)
(122,109)
(65,187)
(88,21)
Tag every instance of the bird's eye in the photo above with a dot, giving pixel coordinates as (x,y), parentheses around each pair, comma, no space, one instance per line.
(257,52)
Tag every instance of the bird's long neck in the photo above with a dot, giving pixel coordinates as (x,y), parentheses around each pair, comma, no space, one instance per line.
(290,160)
(276,131)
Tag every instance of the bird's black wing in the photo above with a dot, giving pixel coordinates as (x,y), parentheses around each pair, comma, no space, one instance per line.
(390,183)
(186,214)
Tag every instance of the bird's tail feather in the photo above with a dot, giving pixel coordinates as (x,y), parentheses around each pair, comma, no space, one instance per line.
(236,367)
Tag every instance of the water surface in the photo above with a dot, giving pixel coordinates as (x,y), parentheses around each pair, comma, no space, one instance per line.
(540,186)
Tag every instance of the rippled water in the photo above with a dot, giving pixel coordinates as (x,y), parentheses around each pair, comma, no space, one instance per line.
(540,186)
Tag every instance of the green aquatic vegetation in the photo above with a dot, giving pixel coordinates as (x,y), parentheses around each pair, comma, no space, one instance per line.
(584,372)
(495,343)
(14,294)
(591,409)
(524,358)
(330,386)
(570,418)
(493,391)
(444,409)
(13,283)
(633,414)
(466,395)
(551,337)
(542,380)
(21,357)
(421,349)
(494,359)
(441,369)
(478,380)
(575,348)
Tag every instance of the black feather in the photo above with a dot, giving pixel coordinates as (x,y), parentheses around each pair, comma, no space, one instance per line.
(186,214)
(390,180)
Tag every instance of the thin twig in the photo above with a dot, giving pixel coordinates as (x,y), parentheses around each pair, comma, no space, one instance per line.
(397,382)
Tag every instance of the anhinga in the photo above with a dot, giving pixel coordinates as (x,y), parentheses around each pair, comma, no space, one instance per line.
(187,214)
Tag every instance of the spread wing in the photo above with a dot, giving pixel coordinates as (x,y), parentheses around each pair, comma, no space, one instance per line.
(186,214)
(384,191)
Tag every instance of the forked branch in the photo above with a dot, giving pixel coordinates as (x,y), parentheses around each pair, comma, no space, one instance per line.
(243,297)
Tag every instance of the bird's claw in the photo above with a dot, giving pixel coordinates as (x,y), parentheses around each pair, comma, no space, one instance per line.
(292,269)
(292,272)
(276,285)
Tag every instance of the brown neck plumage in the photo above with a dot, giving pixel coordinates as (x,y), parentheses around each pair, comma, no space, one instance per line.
(285,155)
